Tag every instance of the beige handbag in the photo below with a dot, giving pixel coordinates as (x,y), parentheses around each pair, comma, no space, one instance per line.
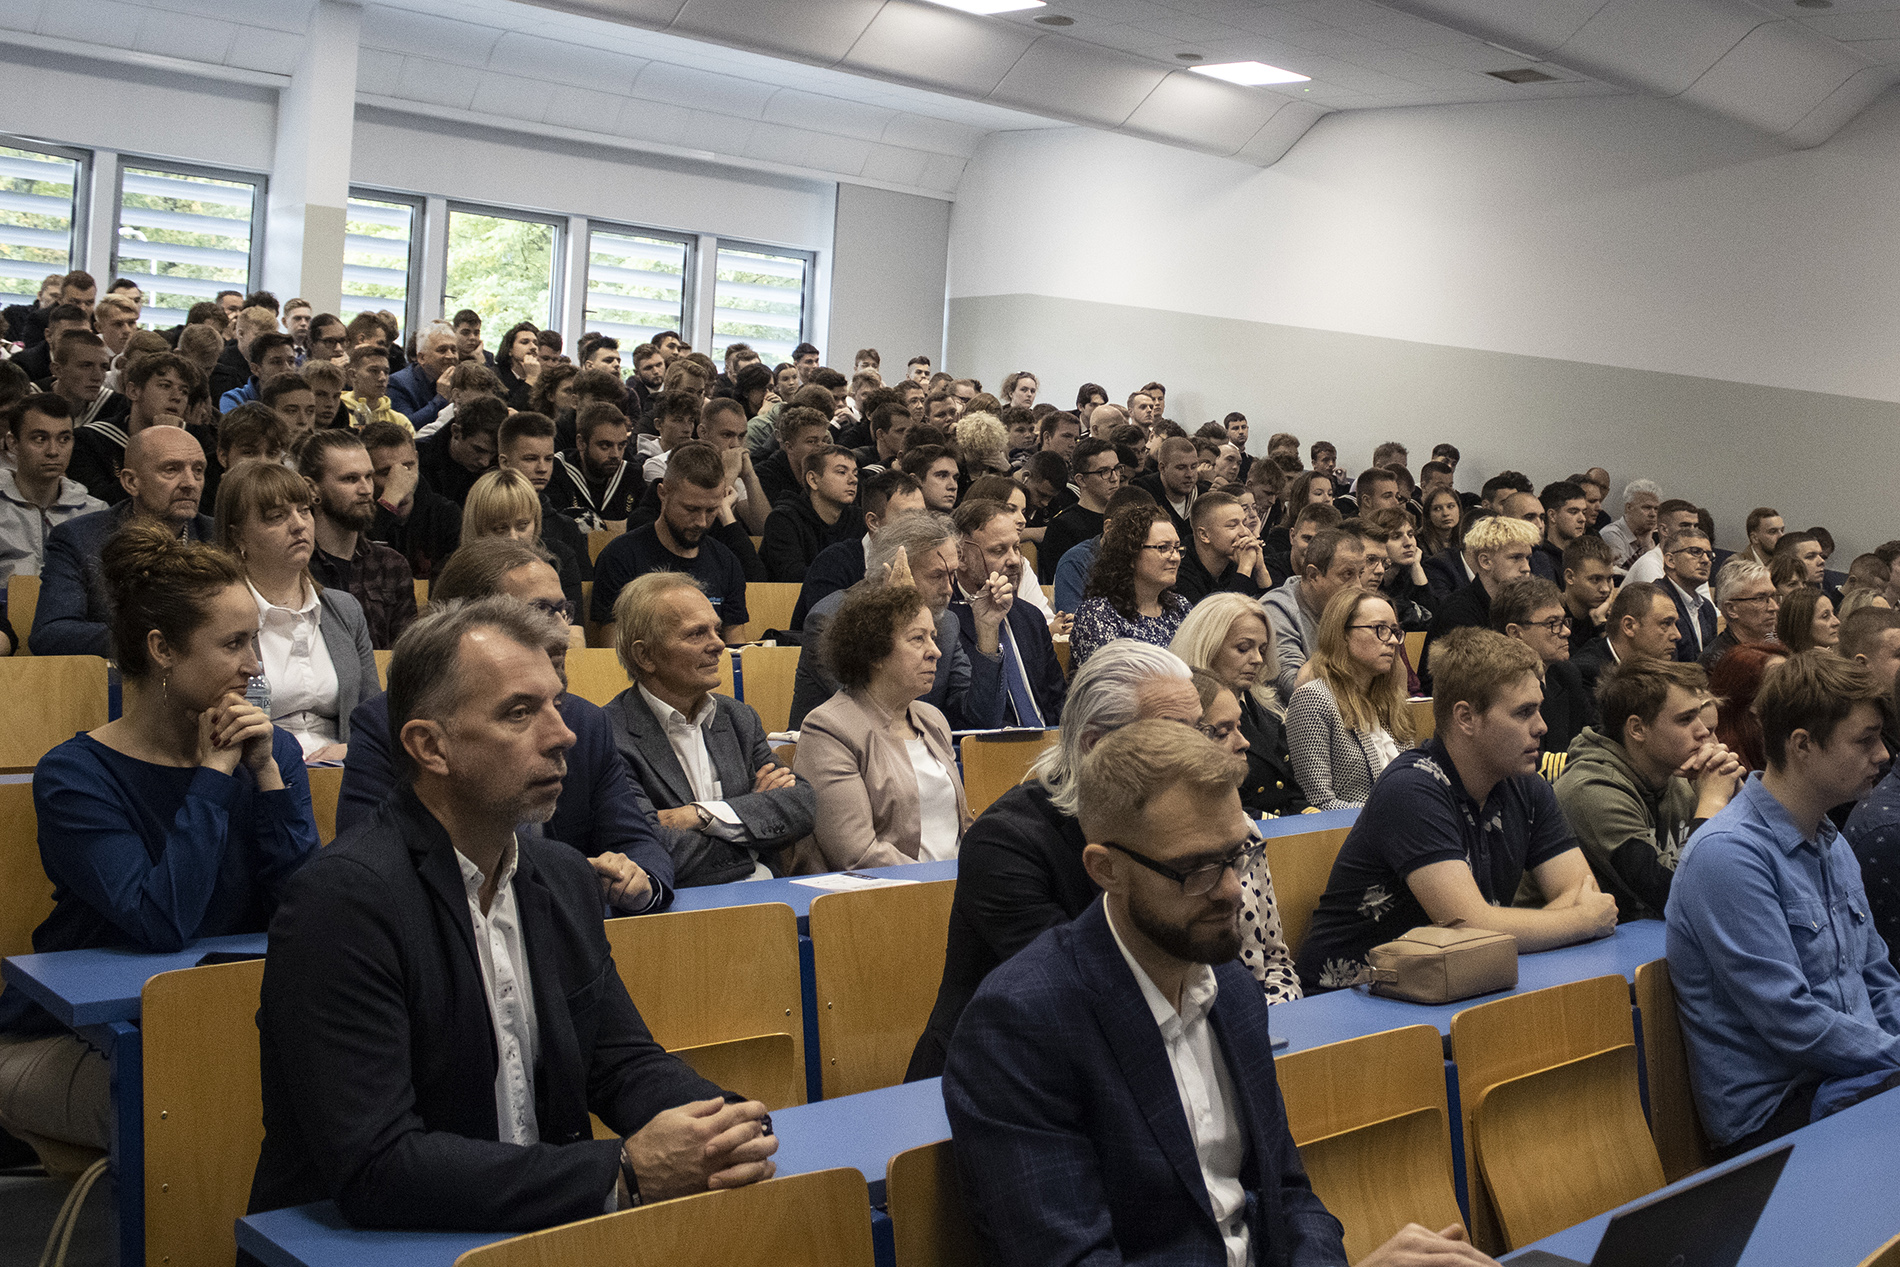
(1442,965)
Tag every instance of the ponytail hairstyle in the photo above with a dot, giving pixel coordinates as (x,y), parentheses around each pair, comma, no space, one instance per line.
(156,581)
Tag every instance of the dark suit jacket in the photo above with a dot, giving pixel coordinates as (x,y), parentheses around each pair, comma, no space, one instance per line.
(1071,1138)
(968,689)
(837,567)
(737,742)
(1690,647)
(1592,659)
(1467,608)
(415,397)
(74,609)
(378,1053)
(232,370)
(601,810)
(1041,669)
(1270,786)
(1568,707)
(1019,871)
(1152,482)
(1445,576)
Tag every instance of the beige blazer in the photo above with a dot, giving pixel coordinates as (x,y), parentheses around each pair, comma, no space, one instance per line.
(867,790)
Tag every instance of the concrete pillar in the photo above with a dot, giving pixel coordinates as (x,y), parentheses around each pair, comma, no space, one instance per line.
(310,177)
(571,313)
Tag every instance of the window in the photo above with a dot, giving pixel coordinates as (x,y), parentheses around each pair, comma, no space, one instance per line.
(184,235)
(636,285)
(39,192)
(759,299)
(379,234)
(502,265)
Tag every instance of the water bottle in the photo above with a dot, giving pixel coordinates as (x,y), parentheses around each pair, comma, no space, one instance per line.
(257,691)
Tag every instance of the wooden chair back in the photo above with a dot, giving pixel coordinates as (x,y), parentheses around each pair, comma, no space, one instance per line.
(993,764)
(23,600)
(326,786)
(877,958)
(597,541)
(594,674)
(597,634)
(769,605)
(1887,1255)
(1032,556)
(50,698)
(767,675)
(422,597)
(820,1219)
(26,895)
(1372,1121)
(1673,1119)
(764,1067)
(1423,725)
(1414,648)
(716,976)
(204,1110)
(1591,1136)
(1300,866)
(382,667)
(924,1197)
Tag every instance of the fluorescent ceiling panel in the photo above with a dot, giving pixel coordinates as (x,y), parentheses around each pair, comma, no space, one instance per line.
(1250,73)
(986,7)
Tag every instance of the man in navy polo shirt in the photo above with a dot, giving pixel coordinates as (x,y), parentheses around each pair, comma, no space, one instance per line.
(694,495)
(1452,826)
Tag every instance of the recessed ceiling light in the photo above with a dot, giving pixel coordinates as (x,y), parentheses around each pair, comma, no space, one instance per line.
(1054,19)
(986,7)
(1250,73)
(1814,4)
(1188,57)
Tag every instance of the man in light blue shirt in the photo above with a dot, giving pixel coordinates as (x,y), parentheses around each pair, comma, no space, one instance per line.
(1789,1006)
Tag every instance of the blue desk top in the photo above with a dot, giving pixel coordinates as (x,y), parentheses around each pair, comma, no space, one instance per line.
(93,987)
(861,1131)
(1343,1014)
(1300,824)
(1833,1207)
(791,893)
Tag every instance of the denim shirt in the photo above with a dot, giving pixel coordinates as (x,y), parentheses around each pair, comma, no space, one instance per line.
(1780,977)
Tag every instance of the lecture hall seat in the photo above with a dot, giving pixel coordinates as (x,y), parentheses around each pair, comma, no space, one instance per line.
(924,1197)
(23,600)
(877,960)
(50,698)
(993,764)
(1300,866)
(26,895)
(1673,1120)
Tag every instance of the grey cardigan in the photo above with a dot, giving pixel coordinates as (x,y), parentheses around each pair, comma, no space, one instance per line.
(346,636)
(1335,764)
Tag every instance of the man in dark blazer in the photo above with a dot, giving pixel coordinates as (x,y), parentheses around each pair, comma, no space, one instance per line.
(726,806)
(405,1076)
(164,476)
(1687,559)
(1032,682)
(1019,868)
(1111,1089)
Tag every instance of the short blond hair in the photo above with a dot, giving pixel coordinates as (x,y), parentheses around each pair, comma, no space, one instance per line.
(117,305)
(1133,765)
(1498,531)
(1474,665)
(258,319)
(497,498)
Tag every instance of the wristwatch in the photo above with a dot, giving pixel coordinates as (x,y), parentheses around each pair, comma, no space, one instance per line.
(705,817)
(627,1177)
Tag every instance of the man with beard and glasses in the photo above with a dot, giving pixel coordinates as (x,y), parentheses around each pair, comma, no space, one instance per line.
(338,470)
(1111,1089)
(440,1011)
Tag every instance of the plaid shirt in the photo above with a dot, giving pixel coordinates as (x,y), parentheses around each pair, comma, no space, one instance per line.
(378,578)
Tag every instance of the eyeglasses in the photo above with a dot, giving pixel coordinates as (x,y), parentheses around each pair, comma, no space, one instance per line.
(1695,552)
(1201,880)
(1100,470)
(560,609)
(1773,600)
(1384,633)
(1555,625)
(1171,550)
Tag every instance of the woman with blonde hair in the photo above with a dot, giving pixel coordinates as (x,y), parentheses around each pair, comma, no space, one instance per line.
(982,444)
(1349,720)
(1227,634)
(504,504)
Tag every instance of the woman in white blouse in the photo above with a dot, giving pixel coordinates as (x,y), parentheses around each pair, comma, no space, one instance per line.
(313,642)
(877,756)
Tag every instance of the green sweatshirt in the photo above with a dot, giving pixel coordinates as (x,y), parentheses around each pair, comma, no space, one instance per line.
(1631,833)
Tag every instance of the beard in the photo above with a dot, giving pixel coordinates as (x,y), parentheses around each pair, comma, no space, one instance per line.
(354,516)
(1199,942)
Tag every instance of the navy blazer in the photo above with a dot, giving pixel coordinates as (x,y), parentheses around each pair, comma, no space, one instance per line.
(378,1051)
(1041,669)
(1070,1136)
(414,397)
(600,811)
(1689,649)
(75,611)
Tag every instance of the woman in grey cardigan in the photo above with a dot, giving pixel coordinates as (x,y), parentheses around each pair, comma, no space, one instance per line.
(313,642)
(1348,720)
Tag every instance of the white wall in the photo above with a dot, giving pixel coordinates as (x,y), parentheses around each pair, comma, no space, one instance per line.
(1547,285)
(887,278)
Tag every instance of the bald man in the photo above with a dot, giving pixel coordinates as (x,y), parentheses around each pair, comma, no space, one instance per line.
(1105,419)
(163,477)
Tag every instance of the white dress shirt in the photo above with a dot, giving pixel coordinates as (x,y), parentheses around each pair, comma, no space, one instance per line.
(1206,1091)
(687,737)
(936,804)
(510,994)
(297,664)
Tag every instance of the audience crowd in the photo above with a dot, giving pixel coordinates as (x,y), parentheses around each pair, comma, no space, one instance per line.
(1550,721)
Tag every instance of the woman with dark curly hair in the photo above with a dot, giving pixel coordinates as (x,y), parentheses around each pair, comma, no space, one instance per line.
(877,756)
(554,391)
(1734,681)
(518,363)
(1130,592)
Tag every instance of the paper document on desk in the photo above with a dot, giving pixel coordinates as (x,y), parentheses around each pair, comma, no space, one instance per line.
(846,881)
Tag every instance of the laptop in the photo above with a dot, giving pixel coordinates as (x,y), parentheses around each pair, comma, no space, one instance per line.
(1706,1224)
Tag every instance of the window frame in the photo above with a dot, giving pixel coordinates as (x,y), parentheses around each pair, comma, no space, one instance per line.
(79,234)
(689,274)
(418,205)
(557,254)
(808,294)
(260,200)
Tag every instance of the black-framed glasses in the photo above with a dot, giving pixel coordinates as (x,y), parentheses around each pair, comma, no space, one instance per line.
(1555,625)
(1201,880)
(1695,552)
(1771,599)
(1384,633)
(1167,550)
(562,609)
(1115,470)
